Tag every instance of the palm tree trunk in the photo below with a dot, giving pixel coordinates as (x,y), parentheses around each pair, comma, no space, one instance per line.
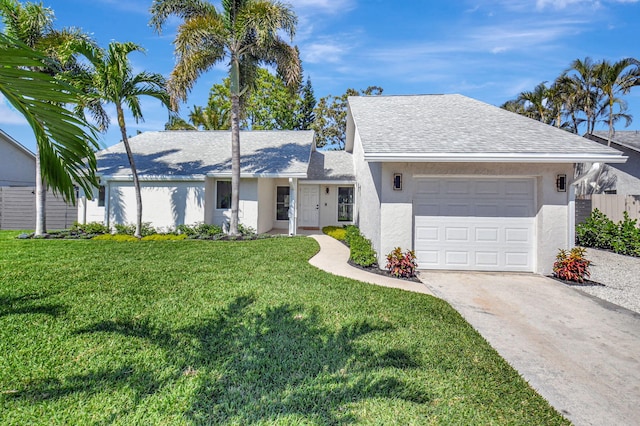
(610,123)
(235,145)
(134,171)
(41,199)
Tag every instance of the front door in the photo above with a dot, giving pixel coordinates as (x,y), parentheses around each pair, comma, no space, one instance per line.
(309,206)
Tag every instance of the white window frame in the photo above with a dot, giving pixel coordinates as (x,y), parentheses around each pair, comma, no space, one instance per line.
(285,203)
(352,203)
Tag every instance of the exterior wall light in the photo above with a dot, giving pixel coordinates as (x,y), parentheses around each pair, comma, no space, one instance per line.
(397,181)
(561,183)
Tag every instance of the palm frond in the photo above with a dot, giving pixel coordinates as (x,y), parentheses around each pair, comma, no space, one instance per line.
(65,143)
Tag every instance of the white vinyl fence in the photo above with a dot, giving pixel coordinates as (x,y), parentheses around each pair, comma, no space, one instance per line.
(614,205)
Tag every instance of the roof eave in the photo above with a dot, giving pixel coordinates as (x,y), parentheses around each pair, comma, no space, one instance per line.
(494,158)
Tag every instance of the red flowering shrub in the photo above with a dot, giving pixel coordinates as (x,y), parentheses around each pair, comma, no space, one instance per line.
(572,266)
(402,264)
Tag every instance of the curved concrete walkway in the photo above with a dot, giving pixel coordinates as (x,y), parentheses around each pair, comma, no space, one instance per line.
(580,353)
(333,257)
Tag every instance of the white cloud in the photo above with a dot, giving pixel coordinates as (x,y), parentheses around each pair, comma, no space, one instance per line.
(323,52)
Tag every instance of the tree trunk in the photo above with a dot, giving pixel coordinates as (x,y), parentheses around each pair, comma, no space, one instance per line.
(235,145)
(134,171)
(41,199)
(610,123)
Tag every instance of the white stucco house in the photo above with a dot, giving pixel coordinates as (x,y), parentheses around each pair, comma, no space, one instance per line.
(285,184)
(466,185)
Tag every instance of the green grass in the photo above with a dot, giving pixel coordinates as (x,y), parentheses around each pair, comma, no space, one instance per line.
(202,332)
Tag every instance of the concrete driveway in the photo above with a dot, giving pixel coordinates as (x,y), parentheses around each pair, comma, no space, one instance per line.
(580,353)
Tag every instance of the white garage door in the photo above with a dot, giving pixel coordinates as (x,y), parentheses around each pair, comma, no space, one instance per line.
(475,224)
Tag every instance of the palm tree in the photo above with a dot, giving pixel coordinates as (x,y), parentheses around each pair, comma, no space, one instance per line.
(32,24)
(584,74)
(246,34)
(536,103)
(114,82)
(65,143)
(613,80)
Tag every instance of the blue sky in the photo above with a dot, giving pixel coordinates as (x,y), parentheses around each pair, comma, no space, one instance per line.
(486,49)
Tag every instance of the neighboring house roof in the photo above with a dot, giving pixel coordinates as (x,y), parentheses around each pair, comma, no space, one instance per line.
(626,138)
(331,166)
(460,129)
(17,144)
(195,154)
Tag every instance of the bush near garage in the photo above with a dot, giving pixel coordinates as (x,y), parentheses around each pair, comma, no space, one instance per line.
(598,231)
(402,265)
(572,265)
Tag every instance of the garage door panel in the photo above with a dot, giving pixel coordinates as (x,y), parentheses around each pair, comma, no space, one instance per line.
(518,259)
(487,258)
(456,234)
(517,235)
(491,228)
(486,234)
(457,257)
(488,187)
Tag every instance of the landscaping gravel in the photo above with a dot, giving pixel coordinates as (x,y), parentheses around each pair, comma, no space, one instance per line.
(620,276)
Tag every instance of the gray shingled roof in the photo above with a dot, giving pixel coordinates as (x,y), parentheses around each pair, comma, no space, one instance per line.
(419,124)
(198,153)
(331,165)
(630,138)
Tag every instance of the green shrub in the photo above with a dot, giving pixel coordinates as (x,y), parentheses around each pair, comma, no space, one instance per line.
(402,264)
(361,252)
(164,237)
(115,237)
(572,266)
(89,228)
(596,231)
(599,231)
(351,231)
(129,229)
(246,231)
(199,230)
(337,232)
(627,240)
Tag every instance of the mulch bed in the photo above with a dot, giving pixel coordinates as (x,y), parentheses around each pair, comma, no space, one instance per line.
(375,270)
(586,283)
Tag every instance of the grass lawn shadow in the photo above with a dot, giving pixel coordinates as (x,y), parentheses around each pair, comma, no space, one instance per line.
(253,366)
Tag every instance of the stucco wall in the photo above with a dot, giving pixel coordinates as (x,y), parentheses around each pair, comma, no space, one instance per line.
(17,168)
(552,211)
(164,204)
(248,209)
(267,203)
(368,177)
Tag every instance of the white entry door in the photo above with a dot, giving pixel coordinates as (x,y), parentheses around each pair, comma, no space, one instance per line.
(309,205)
(475,224)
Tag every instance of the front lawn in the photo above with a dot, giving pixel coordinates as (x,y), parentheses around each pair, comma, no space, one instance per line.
(202,332)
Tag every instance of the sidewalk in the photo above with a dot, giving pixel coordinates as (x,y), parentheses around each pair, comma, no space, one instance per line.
(333,257)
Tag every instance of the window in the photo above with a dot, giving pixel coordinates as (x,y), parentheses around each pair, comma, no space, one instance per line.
(345,204)
(282,203)
(101,195)
(223,194)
